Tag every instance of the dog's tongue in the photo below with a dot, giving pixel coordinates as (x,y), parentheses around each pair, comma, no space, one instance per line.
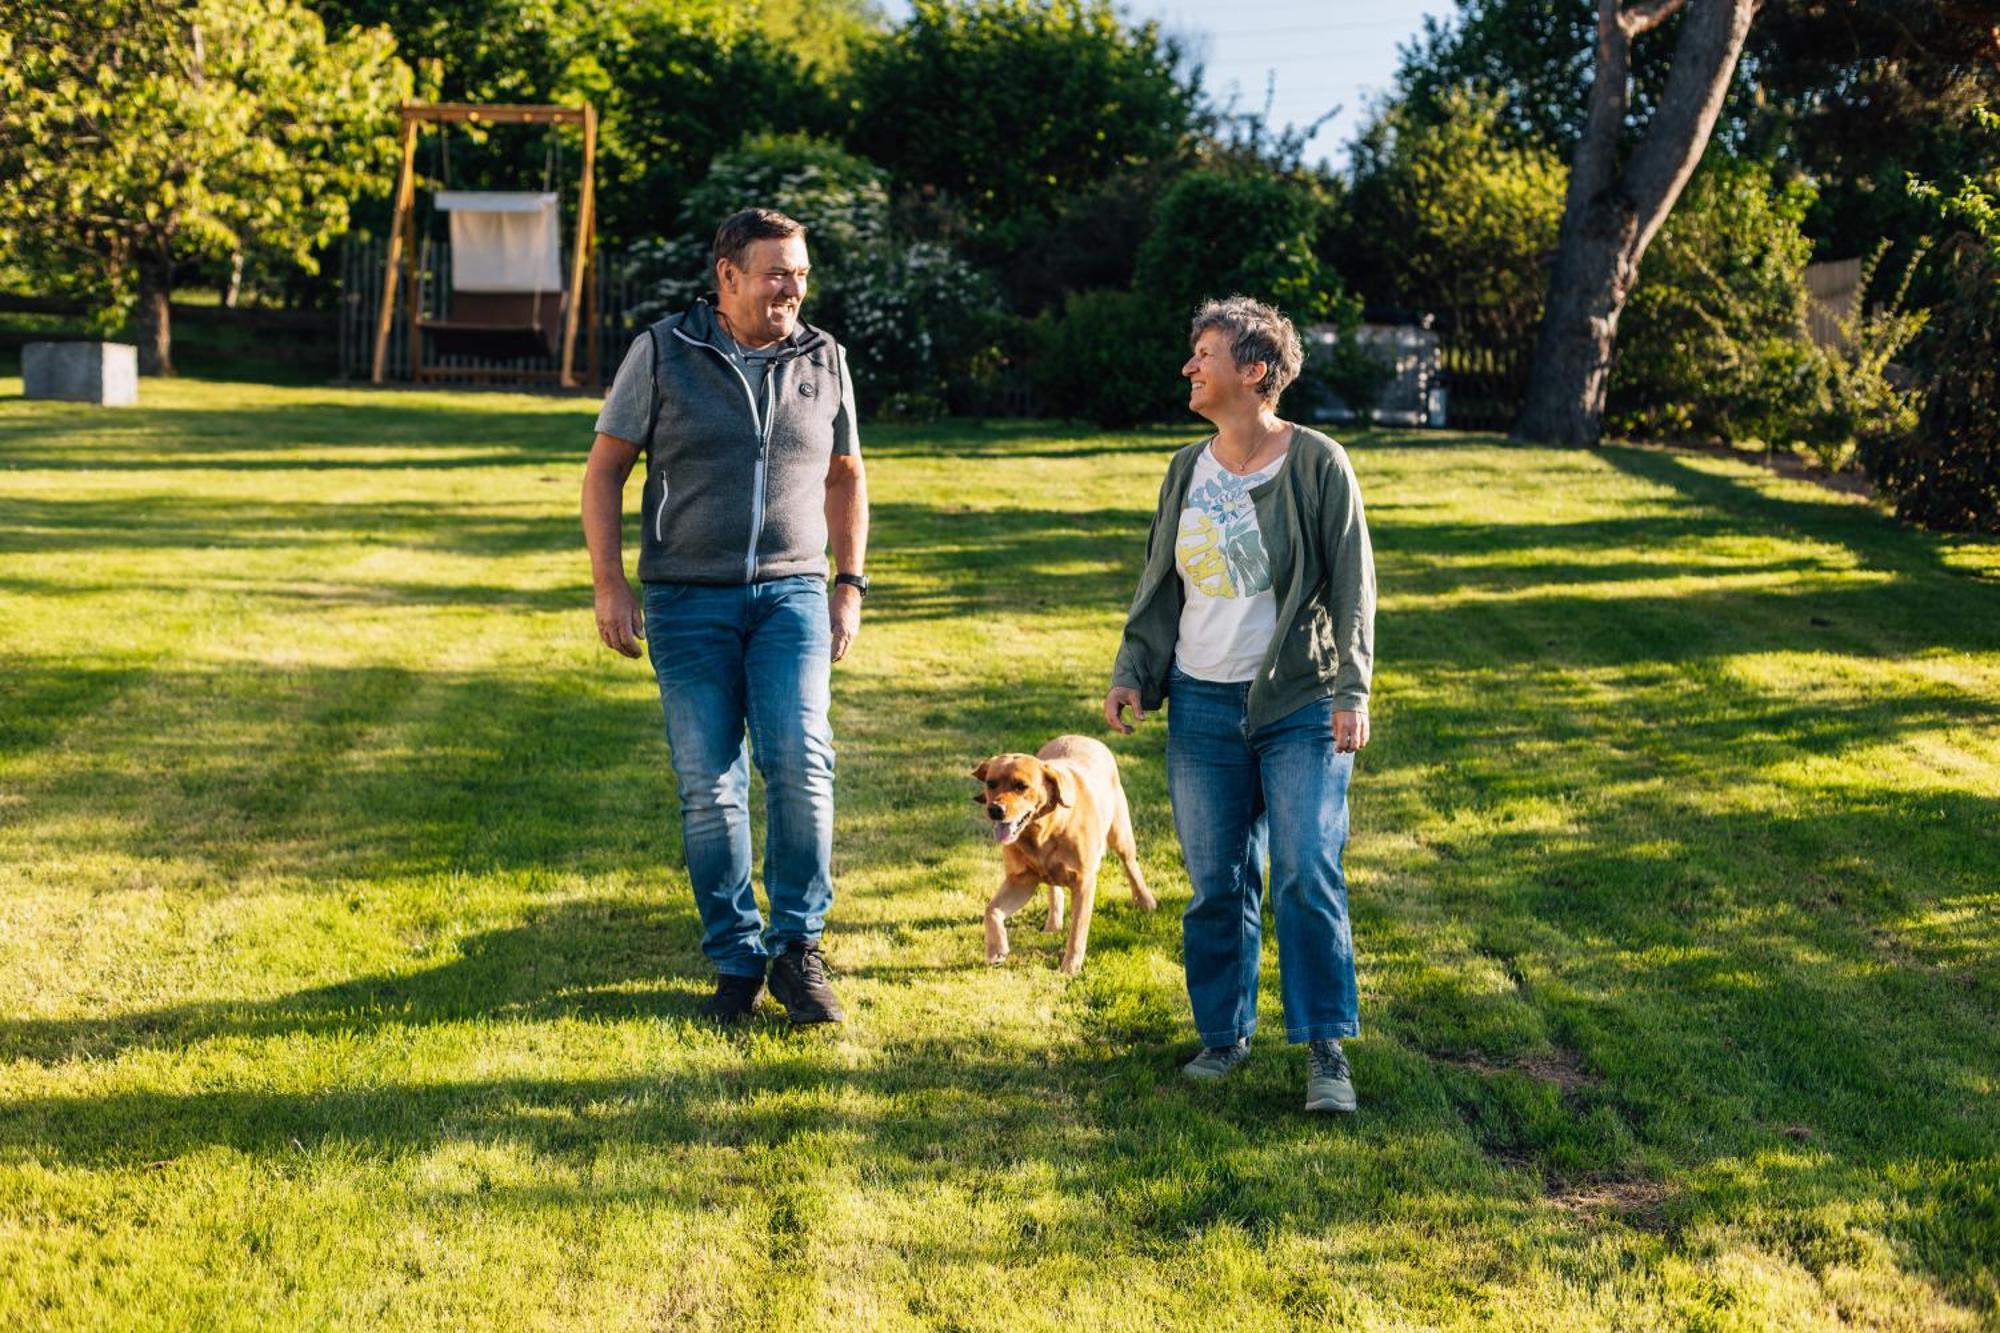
(1005,832)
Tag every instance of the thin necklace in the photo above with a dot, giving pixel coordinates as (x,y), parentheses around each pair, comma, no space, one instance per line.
(1245,471)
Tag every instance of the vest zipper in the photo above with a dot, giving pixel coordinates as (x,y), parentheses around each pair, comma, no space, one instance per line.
(760,477)
(763,436)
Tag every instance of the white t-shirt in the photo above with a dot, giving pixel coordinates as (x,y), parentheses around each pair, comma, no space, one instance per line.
(1228,611)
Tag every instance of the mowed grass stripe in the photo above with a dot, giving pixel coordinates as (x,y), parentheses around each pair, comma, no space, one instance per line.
(347,958)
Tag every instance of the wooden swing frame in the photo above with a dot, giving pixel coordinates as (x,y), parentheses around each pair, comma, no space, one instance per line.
(403,242)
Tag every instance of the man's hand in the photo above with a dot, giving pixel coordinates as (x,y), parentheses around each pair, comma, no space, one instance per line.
(1121,698)
(620,621)
(1350,731)
(843,614)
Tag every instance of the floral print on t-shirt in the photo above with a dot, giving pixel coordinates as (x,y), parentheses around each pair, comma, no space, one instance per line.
(1221,550)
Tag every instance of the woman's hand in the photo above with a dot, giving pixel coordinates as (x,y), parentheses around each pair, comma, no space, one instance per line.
(1350,731)
(1115,704)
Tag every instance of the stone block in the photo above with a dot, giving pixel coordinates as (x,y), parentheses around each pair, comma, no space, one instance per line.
(82,372)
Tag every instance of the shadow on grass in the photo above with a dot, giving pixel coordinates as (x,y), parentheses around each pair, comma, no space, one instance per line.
(434,433)
(207,523)
(1706,967)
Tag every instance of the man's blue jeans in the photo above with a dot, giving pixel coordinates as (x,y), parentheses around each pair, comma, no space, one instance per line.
(754,655)
(1234,792)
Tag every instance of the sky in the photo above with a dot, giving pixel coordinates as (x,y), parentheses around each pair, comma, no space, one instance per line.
(1320,54)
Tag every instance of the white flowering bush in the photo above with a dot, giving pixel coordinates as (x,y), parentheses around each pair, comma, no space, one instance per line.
(912,315)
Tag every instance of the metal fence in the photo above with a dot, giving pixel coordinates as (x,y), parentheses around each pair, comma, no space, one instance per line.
(1484,359)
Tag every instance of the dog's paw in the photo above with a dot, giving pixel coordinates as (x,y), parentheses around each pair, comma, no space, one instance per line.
(1148,903)
(995,959)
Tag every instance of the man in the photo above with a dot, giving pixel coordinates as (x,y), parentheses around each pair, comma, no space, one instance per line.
(746,417)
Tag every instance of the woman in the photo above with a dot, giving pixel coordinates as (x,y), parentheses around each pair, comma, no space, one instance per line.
(1255,618)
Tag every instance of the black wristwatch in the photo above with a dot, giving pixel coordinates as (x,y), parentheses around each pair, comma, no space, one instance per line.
(859,582)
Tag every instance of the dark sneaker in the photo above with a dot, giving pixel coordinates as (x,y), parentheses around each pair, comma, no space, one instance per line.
(735,999)
(1329,1084)
(1216,1061)
(798,981)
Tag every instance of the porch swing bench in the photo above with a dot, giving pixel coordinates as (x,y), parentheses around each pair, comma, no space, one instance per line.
(507,291)
(508,300)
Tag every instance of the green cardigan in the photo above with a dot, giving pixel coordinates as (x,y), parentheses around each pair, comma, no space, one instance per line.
(1323,576)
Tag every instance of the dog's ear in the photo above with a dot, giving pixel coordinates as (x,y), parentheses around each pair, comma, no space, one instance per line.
(1061,784)
(980,772)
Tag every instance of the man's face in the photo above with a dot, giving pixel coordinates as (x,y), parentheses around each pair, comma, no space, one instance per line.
(761,297)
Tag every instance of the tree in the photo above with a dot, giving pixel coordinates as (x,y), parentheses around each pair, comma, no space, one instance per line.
(675,82)
(1012,106)
(1613,207)
(142,134)
(1449,214)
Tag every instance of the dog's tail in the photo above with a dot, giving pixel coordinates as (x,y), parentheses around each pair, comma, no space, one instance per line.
(1123,844)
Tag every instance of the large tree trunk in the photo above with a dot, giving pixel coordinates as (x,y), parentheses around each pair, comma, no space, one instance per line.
(1610,215)
(156,333)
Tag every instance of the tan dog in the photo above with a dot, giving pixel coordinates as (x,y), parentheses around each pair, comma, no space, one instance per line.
(1053,813)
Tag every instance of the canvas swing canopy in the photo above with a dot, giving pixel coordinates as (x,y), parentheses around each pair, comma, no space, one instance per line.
(508,296)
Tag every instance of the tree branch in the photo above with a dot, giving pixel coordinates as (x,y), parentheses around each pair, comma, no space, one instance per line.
(1704,63)
(1639,17)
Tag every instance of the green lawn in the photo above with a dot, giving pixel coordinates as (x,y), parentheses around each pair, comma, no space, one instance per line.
(346,961)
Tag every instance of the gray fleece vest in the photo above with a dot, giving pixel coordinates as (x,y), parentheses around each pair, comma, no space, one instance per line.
(735,491)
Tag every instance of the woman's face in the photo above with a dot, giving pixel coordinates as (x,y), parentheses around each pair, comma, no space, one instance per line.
(1215,382)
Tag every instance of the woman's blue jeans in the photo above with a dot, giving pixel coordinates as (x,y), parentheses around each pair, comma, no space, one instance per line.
(755,656)
(1235,792)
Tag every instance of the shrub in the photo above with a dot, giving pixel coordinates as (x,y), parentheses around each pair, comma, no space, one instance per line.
(1856,402)
(1111,358)
(1711,343)
(913,316)
(1243,232)
(1011,106)
(1946,472)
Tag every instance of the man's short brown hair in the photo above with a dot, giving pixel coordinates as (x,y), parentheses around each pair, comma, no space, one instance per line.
(739,231)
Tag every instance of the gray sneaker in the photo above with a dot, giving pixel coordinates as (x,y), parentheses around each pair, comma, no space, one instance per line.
(1329,1084)
(1216,1061)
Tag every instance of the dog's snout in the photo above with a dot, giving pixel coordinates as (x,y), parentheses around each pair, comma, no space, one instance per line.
(994,811)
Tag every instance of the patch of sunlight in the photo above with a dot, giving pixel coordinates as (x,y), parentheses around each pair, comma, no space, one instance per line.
(1962,931)
(1616,590)
(464,1167)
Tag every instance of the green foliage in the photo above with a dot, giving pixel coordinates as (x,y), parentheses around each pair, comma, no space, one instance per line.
(141,134)
(674,93)
(1711,342)
(1535,54)
(1858,400)
(1241,232)
(1111,358)
(912,314)
(1946,472)
(843,200)
(674,81)
(1453,215)
(1011,106)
